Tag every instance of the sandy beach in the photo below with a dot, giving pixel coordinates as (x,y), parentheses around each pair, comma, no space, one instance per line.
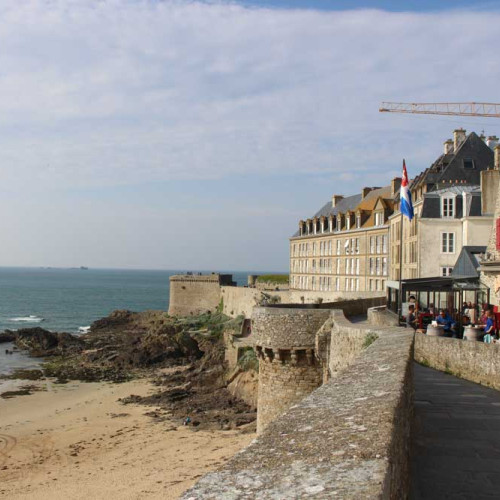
(77,441)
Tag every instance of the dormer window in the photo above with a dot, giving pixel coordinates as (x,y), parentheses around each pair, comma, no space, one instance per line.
(379,218)
(358,221)
(348,222)
(448,207)
(339,222)
(468,163)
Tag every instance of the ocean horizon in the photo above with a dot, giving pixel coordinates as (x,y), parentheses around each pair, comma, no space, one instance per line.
(70,299)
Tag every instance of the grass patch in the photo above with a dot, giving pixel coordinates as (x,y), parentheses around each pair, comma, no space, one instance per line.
(369,339)
(280,279)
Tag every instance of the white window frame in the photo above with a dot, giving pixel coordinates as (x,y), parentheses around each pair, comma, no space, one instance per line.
(448,206)
(446,271)
(445,246)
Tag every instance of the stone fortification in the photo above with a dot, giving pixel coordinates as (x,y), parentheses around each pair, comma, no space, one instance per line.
(471,360)
(196,294)
(284,340)
(241,301)
(348,439)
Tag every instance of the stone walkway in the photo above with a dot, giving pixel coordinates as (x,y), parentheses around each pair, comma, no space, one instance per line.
(456,438)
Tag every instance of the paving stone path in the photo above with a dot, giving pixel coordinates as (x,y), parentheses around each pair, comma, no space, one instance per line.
(456,438)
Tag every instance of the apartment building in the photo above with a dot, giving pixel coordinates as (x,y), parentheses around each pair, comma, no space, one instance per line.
(345,245)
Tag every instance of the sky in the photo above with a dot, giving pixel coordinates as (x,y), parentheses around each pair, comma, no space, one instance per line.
(195,135)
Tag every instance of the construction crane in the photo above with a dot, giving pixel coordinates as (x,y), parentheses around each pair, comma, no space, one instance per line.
(486,109)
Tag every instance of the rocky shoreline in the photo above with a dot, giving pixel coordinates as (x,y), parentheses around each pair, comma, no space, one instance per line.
(184,358)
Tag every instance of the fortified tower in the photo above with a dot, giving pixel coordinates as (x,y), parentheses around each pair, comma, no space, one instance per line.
(289,369)
(192,294)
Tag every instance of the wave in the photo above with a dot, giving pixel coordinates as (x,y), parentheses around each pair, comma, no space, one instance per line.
(83,329)
(27,319)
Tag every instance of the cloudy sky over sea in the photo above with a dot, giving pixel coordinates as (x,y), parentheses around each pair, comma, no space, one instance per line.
(184,134)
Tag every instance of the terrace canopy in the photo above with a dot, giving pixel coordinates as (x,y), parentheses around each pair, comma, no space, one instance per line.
(444,292)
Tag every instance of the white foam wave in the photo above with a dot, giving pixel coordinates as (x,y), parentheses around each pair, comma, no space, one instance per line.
(27,319)
(83,329)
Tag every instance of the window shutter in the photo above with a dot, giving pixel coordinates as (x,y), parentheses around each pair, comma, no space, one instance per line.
(498,234)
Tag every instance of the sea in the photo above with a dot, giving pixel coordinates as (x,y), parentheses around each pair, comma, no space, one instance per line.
(69,300)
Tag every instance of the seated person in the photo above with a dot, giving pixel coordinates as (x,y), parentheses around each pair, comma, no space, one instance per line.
(411,319)
(489,329)
(484,314)
(446,321)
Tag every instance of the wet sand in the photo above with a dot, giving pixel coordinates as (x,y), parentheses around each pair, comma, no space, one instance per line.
(76,441)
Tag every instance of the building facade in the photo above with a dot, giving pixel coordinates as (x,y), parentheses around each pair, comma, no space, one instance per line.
(345,245)
(453,203)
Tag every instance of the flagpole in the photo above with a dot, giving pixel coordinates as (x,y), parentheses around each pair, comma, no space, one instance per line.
(400,295)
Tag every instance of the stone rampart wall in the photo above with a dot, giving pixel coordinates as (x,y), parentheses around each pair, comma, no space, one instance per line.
(346,343)
(241,300)
(348,439)
(381,316)
(471,360)
(194,295)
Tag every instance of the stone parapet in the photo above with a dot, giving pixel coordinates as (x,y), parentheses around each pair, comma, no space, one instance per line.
(381,316)
(348,439)
(471,360)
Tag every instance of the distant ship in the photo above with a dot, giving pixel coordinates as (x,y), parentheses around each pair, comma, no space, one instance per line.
(84,268)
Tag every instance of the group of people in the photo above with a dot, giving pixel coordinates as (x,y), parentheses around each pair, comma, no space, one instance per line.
(451,328)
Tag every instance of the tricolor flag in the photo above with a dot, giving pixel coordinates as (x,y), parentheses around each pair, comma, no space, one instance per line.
(405,195)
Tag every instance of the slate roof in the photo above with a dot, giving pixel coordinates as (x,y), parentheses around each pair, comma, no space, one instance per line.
(355,202)
(449,168)
(467,263)
(432,202)
(347,203)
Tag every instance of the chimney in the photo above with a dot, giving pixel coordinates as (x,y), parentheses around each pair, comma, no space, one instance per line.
(458,137)
(395,185)
(492,141)
(482,136)
(497,157)
(336,199)
(448,147)
(365,191)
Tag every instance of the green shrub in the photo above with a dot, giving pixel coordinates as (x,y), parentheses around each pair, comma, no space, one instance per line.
(248,360)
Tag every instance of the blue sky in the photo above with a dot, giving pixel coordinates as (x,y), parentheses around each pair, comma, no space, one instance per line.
(195,135)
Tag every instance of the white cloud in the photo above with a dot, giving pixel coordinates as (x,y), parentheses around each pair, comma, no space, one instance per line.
(115,92)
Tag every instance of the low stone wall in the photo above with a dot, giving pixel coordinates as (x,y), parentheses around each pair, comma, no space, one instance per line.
(381,316)
(348,439)
(471,360)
